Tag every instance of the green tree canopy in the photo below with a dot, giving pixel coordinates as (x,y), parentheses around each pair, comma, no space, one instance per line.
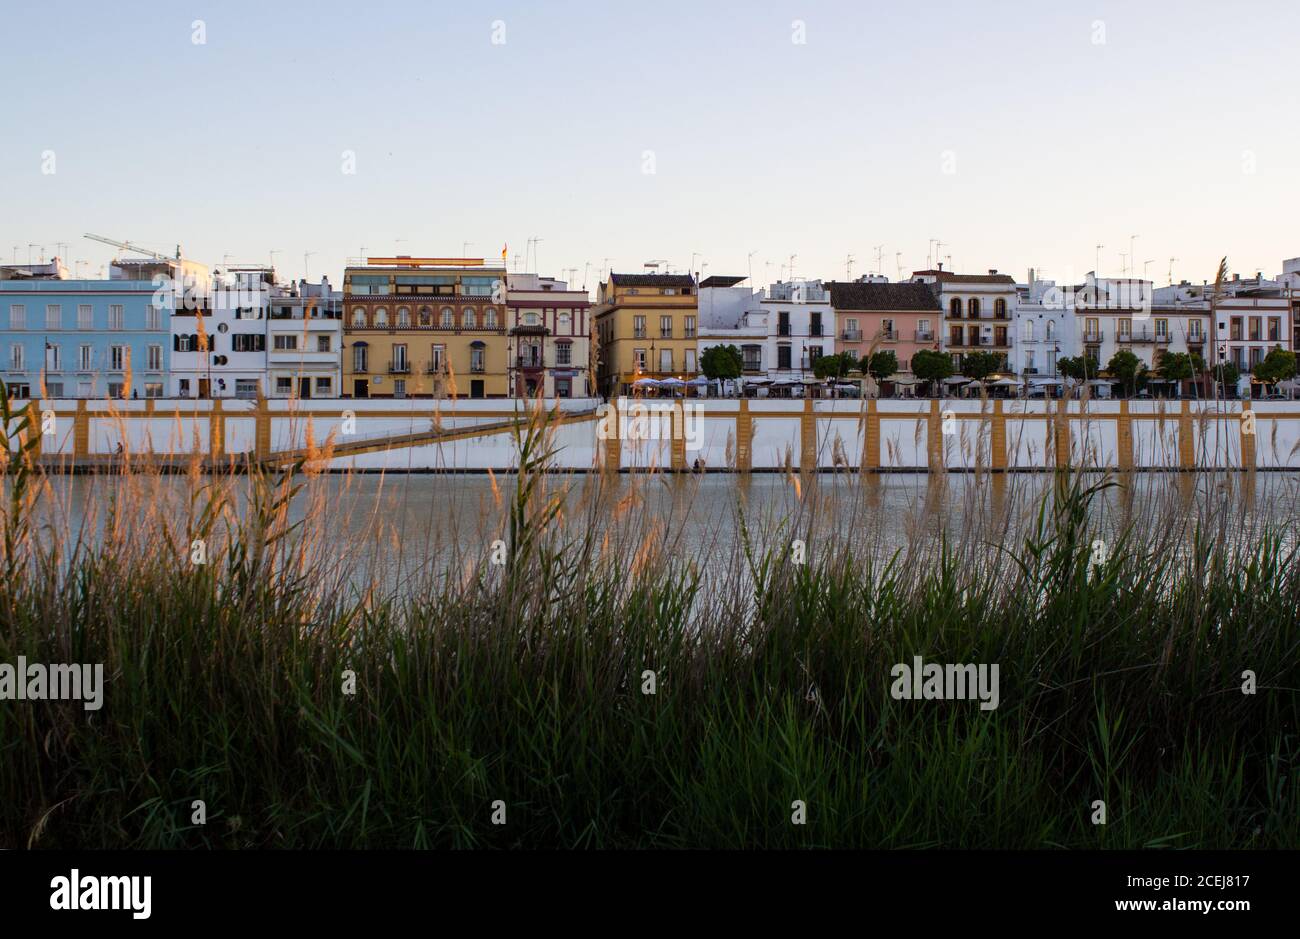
(1126,367)
(722,362)
(834,366)
(1228,375)
(1175,366)
(879,365)
(1079,367)
(931,366)
(1278,365)
(980,365)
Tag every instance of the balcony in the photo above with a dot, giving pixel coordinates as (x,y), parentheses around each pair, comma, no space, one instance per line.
(529,363)
(477,368)
(851,335)
(783,329)
(435,368)
(888,335)
(924,335)
(1135,336)
(1094,337)
(956,342)
(814,330)
(399,368)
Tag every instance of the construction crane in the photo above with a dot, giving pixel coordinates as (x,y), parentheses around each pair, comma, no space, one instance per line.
(127,246)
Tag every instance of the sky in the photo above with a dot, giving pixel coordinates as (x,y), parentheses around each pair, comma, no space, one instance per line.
(724,136)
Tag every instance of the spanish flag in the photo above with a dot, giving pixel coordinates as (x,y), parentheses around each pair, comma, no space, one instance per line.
(505,249)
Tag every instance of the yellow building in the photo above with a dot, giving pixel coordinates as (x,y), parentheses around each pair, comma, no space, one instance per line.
(646,327)
(425,327)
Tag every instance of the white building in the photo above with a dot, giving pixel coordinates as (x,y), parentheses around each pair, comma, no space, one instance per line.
(780,331)
(232,316)
(1043,330)
(305,340)
(978,311)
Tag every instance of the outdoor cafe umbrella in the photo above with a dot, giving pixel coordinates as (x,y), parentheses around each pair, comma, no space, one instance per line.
(955,380)
(645,383)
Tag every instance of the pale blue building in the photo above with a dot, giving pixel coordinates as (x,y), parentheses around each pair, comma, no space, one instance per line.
(83,338)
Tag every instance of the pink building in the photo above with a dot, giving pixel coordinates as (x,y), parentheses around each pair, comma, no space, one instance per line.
(899,318)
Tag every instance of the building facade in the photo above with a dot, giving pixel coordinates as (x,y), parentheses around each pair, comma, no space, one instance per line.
(978,311)
(219,341)
(550,338)
(64,338)
(646,327)
(899,318)
(305,341)
(425,327)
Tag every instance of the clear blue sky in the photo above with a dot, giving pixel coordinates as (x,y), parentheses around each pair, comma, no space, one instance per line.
(820,150)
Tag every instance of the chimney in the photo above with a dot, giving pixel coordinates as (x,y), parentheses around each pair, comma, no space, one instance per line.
(993,272)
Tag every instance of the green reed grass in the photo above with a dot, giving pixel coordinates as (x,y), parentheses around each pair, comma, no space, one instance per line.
(1119,681)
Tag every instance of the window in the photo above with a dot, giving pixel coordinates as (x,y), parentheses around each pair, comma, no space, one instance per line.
(1256,356)
(283,385)
(530,319)
(403,318)
(565,324)
(887,329)
(490,318)
(437,358)
(690,360)
(783,356)
(1000,308)
(246,388)
(117,358)
(285,343)
(426,316)
(183,389)
(666,327)
(115,389)
(954,307)
(1027,331)
(360,359)
(753,358)
(250,342)
(358,318)
(638,327)
(152,317)
(690,327)
(1125,326)
(448,317)
(85,316)
(116,316)
(1234,331)
(1274,329)
(324,387)
(665,360)
(1092,329)
(16,357)
(563,354)
(563,388)
(1194,329)
(17,316)
(381,318)
(469,318)
(973,308)
(322,343)
(1050,329)
(153,389)
(814,323)
(783,323)
(53,358)
(53,316)
(400,361)
(638,359)
(54,389)
(476,359)
(1162,329)
(84,358)
(153,359)
(1255,333)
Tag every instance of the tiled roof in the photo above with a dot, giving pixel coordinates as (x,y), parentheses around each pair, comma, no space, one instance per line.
(652,280)
(721,280)
(948,277)
(884,297)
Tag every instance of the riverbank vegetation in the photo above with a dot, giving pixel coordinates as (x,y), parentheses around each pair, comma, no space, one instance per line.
(583,679)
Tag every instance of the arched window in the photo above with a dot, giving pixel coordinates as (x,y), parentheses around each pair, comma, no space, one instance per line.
(381,318)
(403,318)
(426,316)
(490,318)
(564,324)
(359,318)
(530,319)
(1051,329)
(468,318)
(973,308)
(448,317)
(955,307)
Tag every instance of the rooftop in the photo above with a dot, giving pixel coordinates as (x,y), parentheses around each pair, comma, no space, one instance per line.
(857,296)
(652,280)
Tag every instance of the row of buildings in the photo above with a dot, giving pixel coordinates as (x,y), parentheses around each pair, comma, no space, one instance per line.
(401,327)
